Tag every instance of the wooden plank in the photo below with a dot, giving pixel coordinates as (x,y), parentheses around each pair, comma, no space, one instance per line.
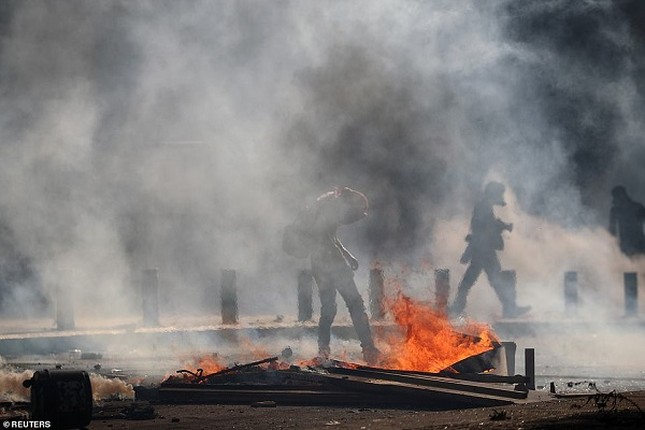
(373,388)
(434,381)
(247,387)
(475,377)
(348,392)
(264,377)
(429,396)
(244,395)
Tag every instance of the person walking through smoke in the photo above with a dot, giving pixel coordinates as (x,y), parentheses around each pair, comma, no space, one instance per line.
(332,265)
(484,240)
(626,219)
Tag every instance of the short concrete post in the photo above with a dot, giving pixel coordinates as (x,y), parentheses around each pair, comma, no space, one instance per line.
(229,297)
(64,309)
(570,292)
(631,293)
(305,292)
(509,354)
(529,367)
(150,297)
(442,289)
(377,294)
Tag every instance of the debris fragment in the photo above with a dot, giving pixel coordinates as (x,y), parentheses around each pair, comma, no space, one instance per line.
(498,415)
(264,404)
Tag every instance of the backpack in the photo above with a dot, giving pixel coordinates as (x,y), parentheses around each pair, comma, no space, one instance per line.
(298,239)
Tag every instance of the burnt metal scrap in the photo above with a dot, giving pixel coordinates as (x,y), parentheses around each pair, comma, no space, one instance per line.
(478,363)
(198,376)
(334,382)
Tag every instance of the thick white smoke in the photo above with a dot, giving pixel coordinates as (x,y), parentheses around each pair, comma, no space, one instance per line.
(103,388)
(184,135)
(541,252)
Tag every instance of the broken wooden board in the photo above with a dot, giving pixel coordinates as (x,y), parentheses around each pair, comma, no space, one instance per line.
(335,386)
(429,397)
(497,390)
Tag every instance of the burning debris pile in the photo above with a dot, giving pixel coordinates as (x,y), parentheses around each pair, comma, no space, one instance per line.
(334,382)
(425,363)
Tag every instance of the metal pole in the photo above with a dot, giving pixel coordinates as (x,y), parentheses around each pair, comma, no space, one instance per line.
(305,292)
(631,293)
(529,367)
(229,297)
(570,292)
(377,294)
(150,297)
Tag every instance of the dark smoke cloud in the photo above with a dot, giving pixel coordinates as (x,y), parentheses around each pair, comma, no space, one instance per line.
(377,138)
(586,62)
(558,120)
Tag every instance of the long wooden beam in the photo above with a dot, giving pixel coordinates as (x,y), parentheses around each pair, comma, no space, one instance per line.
(438,382)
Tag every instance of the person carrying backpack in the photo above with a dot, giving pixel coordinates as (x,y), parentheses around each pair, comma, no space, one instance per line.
(332,265)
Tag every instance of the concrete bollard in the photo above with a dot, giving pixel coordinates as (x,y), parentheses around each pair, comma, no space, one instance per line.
(229,297)
(570,292)
(305,292)
(509,354)
(150,297)
(529,367)
(442,289)
(630,280)
(64,309)
(377,294)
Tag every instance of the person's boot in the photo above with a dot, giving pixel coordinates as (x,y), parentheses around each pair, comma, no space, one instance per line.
(322,359)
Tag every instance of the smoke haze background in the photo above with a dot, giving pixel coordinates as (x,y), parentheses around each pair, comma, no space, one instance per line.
(184,135)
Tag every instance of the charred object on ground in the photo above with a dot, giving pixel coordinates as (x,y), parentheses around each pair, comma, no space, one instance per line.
(334,382)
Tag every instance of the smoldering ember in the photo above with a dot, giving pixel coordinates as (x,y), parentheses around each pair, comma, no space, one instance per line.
(304,214)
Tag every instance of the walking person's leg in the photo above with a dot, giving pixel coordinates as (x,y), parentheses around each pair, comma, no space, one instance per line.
(504,287)
(355,305)
(468,280)
(327,293)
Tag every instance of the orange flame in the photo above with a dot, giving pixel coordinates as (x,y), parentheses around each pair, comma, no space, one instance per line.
(427,341)
(209,364)
(213,363)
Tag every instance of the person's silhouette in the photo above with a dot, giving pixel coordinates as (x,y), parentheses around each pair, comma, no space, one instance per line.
(626,219)
(484,240)
(333,265)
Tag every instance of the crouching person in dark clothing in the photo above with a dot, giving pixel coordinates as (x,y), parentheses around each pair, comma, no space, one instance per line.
(333,265)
